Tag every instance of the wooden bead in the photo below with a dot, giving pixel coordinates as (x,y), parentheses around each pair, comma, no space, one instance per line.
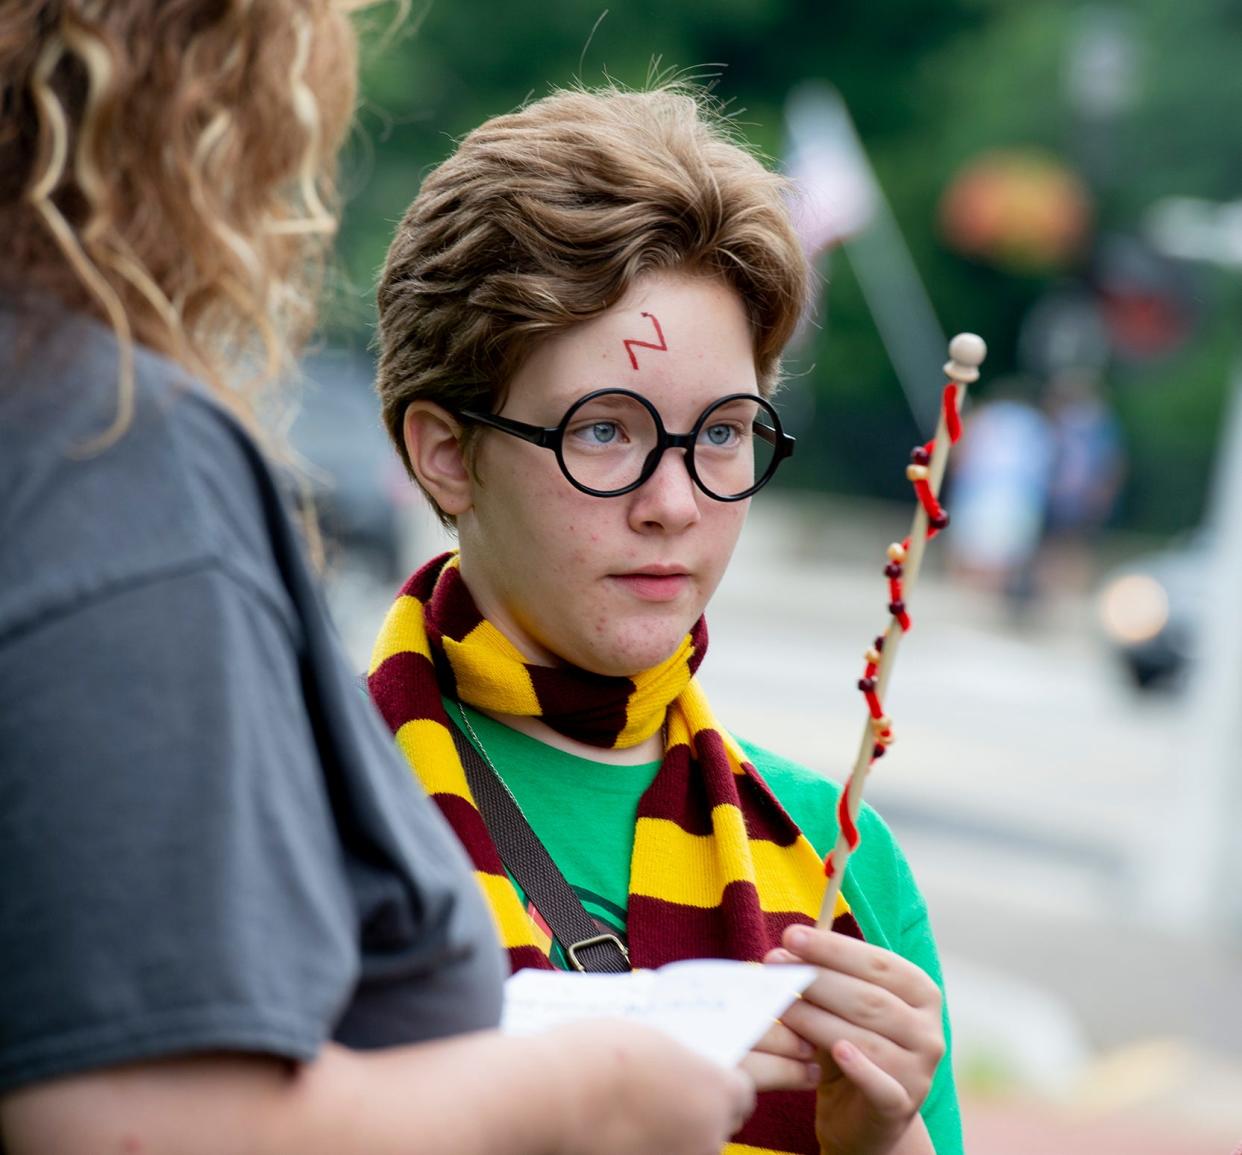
(882,723)
(873,657)
(966,354)
(916,472)
(897,553)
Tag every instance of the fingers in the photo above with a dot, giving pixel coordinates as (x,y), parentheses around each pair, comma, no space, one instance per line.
(782,1061)
(886,1095)
(912,1069)
(780,1040)
(778,1073)
(862,960)
(870,1007)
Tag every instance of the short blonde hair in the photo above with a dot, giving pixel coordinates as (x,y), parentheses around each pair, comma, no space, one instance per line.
(167,165)
(545,217)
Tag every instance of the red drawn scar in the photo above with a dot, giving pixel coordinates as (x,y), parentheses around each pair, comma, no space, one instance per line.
(631,344)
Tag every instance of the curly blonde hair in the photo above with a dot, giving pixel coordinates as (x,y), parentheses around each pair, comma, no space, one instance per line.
(167,165)
(545,217)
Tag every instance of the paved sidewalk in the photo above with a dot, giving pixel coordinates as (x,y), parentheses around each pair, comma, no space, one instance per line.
(1027,1127)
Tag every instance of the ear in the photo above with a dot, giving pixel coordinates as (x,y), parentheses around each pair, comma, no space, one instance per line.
(433,441)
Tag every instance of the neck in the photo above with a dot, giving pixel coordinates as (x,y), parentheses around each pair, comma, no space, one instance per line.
(649,750)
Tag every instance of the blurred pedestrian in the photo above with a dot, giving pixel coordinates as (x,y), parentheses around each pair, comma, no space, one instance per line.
(998,493)
(229,920)
(581,322)
(1088,470)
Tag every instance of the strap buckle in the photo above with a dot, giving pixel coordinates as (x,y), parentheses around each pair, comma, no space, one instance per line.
(571,951)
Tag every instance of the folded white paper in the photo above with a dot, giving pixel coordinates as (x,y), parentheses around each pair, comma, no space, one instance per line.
(717,1007)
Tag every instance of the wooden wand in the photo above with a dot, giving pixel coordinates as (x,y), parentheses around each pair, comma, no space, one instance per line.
(925,472)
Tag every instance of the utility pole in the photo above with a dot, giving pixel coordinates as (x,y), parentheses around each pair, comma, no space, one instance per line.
(1195,859)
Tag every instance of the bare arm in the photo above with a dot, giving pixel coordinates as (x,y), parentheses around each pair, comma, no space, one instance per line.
(600,1089)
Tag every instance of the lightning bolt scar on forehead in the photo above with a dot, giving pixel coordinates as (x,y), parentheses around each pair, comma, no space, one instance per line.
(631,344)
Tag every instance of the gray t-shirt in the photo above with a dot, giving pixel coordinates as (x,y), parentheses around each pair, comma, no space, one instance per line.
(207,839)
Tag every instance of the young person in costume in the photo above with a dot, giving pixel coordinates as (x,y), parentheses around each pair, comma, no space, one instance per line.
(581,320)
(229,919)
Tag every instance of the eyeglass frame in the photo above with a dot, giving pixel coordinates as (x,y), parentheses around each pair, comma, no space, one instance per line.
(553,437)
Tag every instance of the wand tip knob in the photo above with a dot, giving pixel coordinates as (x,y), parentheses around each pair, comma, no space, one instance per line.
(966,354)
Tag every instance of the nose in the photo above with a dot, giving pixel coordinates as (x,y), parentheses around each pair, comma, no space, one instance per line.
(668,500)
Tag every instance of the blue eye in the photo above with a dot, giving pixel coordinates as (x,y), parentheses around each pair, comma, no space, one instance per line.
(603,432)
(598,434)
(720,435)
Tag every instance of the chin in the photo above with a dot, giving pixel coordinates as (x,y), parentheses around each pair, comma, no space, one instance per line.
(629,656)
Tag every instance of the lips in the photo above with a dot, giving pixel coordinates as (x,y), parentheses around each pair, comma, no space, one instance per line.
(655,583)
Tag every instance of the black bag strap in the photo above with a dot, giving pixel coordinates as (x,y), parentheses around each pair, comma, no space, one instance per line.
(526,858)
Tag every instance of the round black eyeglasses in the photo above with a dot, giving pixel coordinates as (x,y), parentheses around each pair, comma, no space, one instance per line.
(611,441)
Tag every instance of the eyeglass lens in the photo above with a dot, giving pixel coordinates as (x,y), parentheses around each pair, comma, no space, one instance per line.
(608,440)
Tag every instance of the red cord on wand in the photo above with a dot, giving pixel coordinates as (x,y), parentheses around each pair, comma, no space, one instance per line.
(925,473)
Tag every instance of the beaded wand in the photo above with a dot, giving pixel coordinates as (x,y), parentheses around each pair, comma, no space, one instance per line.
(925,472)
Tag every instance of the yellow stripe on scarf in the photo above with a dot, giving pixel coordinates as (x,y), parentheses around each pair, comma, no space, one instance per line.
(694,869)
(653,690)
(506,688)
(429,749)
(403,631)
(513,924)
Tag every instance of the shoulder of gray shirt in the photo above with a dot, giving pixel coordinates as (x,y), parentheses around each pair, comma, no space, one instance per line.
(182,488)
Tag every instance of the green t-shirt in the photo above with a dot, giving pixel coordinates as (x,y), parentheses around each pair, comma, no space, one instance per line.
(584,812)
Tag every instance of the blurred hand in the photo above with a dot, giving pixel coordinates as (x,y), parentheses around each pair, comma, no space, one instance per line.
(876,1020)
(634,1091)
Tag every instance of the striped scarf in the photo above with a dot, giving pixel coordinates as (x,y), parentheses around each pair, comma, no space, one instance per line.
(718,868)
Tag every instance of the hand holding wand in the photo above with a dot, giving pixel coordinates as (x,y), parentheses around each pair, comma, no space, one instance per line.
(926,472)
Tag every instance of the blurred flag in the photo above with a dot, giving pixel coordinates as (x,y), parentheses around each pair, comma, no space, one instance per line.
(837,201)
(835,195)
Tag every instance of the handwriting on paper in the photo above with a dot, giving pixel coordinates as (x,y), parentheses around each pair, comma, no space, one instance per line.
(717,1007)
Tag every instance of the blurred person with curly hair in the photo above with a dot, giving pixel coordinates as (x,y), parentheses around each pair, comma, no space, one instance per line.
(581,323)
(229,919)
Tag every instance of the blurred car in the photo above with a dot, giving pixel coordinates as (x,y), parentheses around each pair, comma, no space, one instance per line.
(1151,610)
(356,481)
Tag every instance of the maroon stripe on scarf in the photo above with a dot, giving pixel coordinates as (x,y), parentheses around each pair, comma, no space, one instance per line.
(468,825)
(783,1121)
(777,921)
(847,924)
(679,795)
(661,931)
(528,958)
(422,582)
(766,818)
(698,638)
(451,612)
(404,688)
(579,704)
